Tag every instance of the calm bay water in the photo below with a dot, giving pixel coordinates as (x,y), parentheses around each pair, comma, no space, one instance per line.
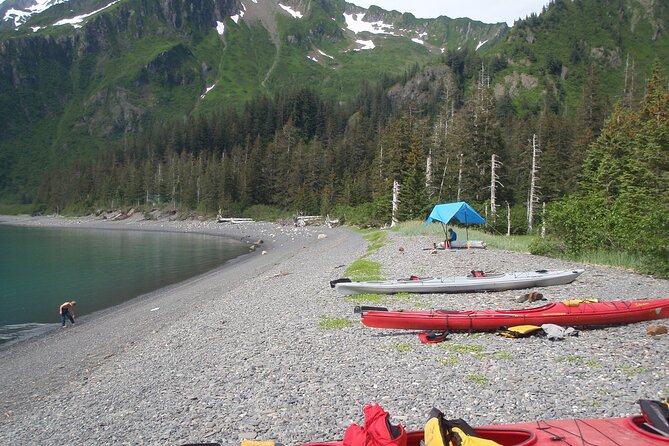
(41,268)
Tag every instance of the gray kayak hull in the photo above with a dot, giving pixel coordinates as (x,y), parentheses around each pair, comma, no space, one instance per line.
(462,284)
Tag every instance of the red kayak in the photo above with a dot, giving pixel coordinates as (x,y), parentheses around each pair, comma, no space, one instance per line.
(573,313)
(647,429)
(591,432)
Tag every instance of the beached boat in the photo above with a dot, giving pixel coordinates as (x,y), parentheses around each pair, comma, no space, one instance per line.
(572,313)
(630,431)
(478,281)
(646,429)
(468,244)
(460,244)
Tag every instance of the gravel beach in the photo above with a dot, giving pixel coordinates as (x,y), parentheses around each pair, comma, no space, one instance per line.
(240,353)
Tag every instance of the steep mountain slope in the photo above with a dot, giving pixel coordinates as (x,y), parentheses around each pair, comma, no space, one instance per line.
(557,51)
(75,76)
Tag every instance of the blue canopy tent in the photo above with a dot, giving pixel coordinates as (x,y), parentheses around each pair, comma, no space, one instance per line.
(461,211)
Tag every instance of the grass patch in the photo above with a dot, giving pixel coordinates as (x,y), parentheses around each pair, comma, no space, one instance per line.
(475,350)
(376,240)
(363,270)
(458,348)
(618,259)
(360,299)
(504,356)
(448,361)
(630,370)
(401,347)
(479,379)
(593,364)
(329,322)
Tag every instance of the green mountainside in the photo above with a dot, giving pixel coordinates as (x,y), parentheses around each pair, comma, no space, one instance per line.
(74,93)
(67,92)
(552,53)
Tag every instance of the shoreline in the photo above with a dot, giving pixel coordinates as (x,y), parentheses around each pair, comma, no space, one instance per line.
(273,244)
(136,225)
(241,353)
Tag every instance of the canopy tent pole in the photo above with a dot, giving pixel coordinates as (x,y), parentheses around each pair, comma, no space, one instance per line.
(443,226)
(466,229)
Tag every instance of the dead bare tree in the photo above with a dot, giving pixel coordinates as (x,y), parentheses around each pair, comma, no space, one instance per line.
(462,161)
(508,219)
(543,219)
(534,176)
(396,202)
(494,181)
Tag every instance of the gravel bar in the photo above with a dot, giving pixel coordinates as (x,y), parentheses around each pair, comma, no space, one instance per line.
(241,352)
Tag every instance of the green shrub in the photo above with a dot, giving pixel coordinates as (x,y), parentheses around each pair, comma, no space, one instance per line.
(366,215)
(546,247)
(261,212)
(16,209)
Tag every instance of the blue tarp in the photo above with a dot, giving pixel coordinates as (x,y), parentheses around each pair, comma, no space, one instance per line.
(461,211)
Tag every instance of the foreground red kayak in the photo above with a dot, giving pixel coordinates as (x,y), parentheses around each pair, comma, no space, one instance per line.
(575,313)
(591,432)
(651,428)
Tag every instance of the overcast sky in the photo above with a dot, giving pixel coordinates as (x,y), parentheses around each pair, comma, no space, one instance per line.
(486,11)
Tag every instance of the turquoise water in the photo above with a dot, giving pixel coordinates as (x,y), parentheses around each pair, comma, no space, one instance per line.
(41,268)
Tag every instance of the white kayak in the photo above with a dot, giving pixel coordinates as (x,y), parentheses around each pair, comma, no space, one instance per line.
(462,244)
(459,284)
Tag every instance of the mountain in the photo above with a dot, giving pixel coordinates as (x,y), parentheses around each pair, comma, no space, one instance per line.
(555,52)
(78,77)
(75,76)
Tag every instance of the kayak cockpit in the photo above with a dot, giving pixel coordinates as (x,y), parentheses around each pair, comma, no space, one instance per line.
(502,436)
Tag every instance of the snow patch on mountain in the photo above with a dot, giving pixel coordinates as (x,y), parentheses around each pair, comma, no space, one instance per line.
(481,44)
(366,45)
(19,16)
(207,91)
(76,21)
(355,23)
(291,11)
(325,54)
(220,28)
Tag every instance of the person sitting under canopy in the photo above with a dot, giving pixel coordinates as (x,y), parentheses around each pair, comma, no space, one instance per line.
(451,237)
